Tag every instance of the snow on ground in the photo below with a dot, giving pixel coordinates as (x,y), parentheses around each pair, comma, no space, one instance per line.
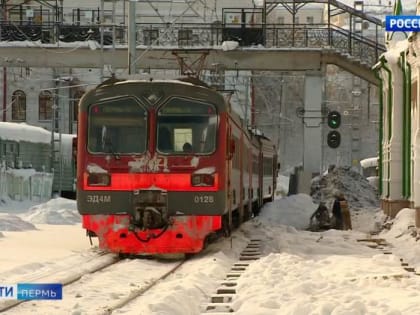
(10,222)
(10,206)
(43,246)
(55,211)
(300,273)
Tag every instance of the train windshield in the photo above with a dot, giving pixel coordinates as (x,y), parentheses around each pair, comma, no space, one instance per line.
(117,127)
(186,126)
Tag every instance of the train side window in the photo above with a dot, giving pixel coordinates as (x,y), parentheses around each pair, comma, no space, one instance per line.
(267,166)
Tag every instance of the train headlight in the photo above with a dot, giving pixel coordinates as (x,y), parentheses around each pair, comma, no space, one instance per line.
(99,179)
(202,180)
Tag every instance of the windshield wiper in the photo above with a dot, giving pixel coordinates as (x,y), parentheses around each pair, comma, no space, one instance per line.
(108,144)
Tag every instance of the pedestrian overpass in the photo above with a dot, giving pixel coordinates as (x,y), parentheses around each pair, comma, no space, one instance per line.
(261,46)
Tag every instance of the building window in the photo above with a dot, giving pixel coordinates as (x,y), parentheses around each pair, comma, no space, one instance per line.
(19,105)
(185,37)
(310,20)
(150,37)
(280,20)
(296,20)
(45,105)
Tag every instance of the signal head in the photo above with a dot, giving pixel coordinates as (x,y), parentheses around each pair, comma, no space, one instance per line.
(334,119)
(333,139)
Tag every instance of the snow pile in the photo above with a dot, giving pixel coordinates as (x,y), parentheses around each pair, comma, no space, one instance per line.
(356,188)
(294,210)
(8,205)
(402,233)
(55,211)
(282,186)
(9,222)
(229,45)
(369,162)
(402,224)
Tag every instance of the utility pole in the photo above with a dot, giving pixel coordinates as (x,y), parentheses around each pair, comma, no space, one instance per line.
(4,6)
(101,24)
(132,37)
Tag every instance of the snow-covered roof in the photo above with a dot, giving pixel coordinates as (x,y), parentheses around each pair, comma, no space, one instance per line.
(408,5)
(369,162)
(24,132)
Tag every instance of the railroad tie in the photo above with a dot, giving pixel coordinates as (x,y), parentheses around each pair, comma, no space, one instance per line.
(384,246)
(221,302)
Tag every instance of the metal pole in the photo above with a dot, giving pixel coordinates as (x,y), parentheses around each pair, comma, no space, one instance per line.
(101,21)
(113,25)
(132,37)
(247,95)
(4,69)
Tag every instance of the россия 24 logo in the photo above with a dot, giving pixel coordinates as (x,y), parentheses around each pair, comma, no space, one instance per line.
(402,23)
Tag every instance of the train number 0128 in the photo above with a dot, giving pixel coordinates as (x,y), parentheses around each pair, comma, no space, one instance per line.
(204,199)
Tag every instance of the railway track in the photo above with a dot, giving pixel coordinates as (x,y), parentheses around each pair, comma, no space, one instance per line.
(79,293)
(65,276)
(386,248)
(221,302)
(140,291)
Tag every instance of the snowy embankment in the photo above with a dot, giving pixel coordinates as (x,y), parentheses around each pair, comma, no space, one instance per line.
(300,273)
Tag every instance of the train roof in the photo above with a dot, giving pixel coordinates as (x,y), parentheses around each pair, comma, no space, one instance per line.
(192,87)
(135,79)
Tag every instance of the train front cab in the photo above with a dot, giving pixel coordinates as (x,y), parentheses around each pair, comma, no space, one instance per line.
(151,193)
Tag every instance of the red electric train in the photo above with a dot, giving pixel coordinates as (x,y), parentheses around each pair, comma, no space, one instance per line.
(164,165)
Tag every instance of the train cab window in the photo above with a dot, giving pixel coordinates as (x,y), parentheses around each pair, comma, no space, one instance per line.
(185,123)
(183,138)
(268,166)
(117,127)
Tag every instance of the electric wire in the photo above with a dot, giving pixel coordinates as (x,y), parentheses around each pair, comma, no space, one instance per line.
(170,28)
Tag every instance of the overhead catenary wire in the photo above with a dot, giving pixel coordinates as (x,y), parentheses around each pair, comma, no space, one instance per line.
(170,28)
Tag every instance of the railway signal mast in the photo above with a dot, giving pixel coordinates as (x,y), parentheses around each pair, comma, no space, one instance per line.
(334,137)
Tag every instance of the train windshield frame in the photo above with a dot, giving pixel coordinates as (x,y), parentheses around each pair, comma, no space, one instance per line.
(117,126)
(186,126)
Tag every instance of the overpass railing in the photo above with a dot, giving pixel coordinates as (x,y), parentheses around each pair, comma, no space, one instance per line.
(366,47)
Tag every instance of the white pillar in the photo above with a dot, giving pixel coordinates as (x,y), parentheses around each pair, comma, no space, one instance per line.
(385,142)
(415,143)
(312,122)
(395,142)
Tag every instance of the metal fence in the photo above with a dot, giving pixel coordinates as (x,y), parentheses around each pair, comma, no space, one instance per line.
(185,35)
(20,185)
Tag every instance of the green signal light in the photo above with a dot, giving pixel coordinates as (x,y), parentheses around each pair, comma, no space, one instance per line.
(334,119)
